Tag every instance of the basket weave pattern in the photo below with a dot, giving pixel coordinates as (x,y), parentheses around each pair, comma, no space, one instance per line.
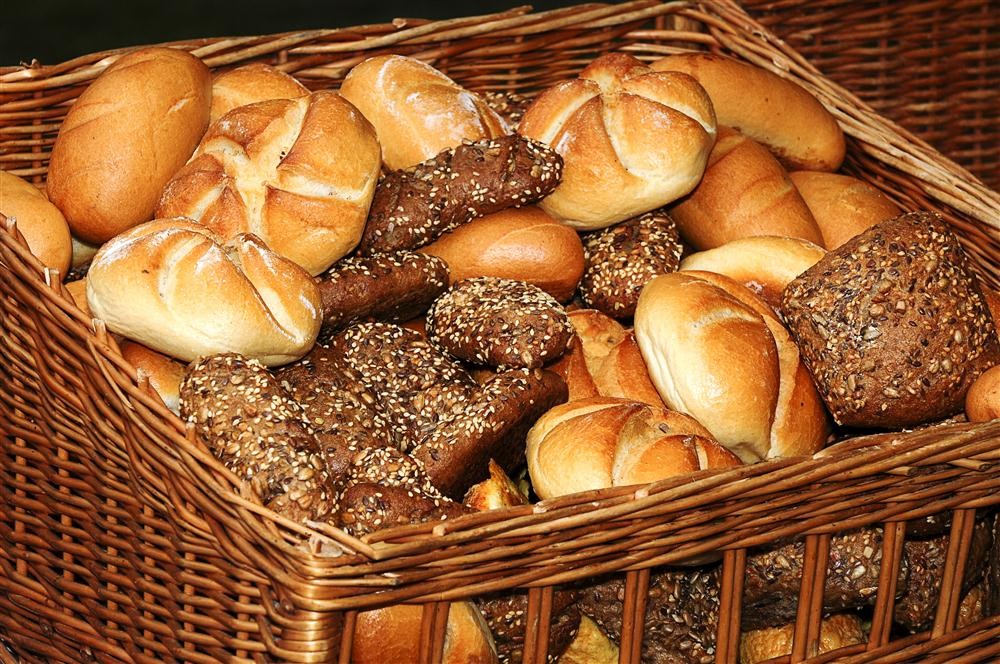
(122,539)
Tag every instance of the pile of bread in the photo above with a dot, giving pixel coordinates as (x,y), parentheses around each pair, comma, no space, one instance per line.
(379,304)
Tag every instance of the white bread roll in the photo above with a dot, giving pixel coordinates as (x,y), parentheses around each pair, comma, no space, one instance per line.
(718,353)
(391,635)
(176,287)
(297,173)
(164,373)
(836,631)
(517,243)
(125,137)
(773,111)
(40,222)
(250,84)
(982,401)
(762,263)
(744,192)
(602,441)
(632,140)
(417,111)
(841,205)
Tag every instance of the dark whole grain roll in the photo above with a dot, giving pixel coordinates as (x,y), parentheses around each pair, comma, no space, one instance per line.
(508,105)
(387,287)
(254,427)
(622,258)
(893,324)
(499,323)
(505,614)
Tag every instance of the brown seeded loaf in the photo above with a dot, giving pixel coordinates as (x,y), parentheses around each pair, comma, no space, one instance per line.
(841,205)
(40,222)
(125,137)
(249,84)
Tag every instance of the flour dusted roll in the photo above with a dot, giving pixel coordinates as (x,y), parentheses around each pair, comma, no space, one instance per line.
(248,85)
(781,114)
(40,222)
(841,205)
(297,173)
(416,110)
(125,137)
(176,287)
(632,139)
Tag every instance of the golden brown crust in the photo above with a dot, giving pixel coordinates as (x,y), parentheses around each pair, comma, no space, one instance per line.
(164,373)
(392,635)
(982,403)
(40,222)
(248,85)
(836,631)
(841,205)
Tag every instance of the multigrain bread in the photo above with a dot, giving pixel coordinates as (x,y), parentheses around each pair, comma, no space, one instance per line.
(506,613)
(250,84)
(622,258)
(893,325)
(40,222)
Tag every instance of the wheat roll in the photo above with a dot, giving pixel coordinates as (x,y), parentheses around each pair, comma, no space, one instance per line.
(632,140)
(41,223)
(392,635)
(175,286)
(164,373)
(250,84)
(417,111)
(297,173)
(841,205)
(125,137)
(774,111)
(517,243)
(745,192)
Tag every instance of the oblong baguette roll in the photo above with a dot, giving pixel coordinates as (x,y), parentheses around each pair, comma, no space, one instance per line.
(776,112)
(517,243)
(841,205)
(40,222)
(250,84)
(744,192)
(125,137)
(174,286)
(417,111)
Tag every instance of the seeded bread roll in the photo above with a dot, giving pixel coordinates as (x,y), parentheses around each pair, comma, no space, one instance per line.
(254,427)
(982,403)
(40,222)
(893,325)
(841,205)
(414,207)
(164,373)
(506,615)
(510,106)
(499,323)
(622,258)
(250,84)
(392,635)
(386,287)
(836,631)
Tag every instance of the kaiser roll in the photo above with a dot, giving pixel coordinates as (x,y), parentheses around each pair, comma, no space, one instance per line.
(841,205)
(745,192)
(517,243)
(297,173)
(776,112)
(417,111)
(42,224)
(392,635)
(125,137)
(718,353)
(249,84)
(632,140)
(164,373)
(175,286)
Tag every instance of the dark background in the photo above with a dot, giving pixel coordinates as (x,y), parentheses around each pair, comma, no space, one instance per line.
(52,31)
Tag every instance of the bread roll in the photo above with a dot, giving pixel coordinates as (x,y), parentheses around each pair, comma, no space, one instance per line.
(982,403)
(416,110)
(745,192)
(518,243)
(837,631)
(993,304)
(392,635)
(633,140)
(248,85)
(164,373)
(841,205)
(78,291)
(776,112)
(764,264)
(590,646)
(83,253)
(297,173)
(601,442)
(125,137)
(176,287)
(718,353)
(39,221)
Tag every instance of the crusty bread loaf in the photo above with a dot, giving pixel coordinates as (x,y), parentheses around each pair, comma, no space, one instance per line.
(125,137)
(982,403)
(745,192)
(764,264)
(633,140)
(297,173)
(836,631)
(517,243)
(164,373)
(248,85)
(417,111)
(40,222)
(392,635)
(781,114)
(718,353)
(841,205)
(176,287)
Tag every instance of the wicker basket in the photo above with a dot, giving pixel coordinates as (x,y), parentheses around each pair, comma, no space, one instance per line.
(122,539)
(931,65)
